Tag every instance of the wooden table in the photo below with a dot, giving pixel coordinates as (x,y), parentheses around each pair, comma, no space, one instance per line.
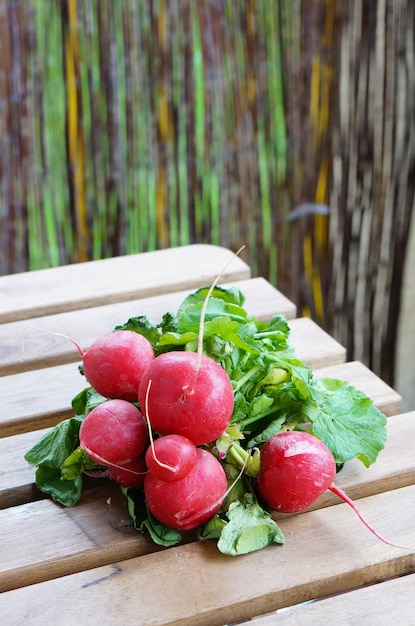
(85,565)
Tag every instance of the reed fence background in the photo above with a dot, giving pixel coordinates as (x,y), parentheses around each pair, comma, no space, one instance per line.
(284,125)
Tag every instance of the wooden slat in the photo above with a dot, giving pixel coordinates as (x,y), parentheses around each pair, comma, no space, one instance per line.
(42,540)
(82,285)
(42,349)
(383,604)
(40,398)
(17,477)
(194,584)
(313,345)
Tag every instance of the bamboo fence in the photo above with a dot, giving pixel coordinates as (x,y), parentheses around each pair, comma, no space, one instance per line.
(283,125)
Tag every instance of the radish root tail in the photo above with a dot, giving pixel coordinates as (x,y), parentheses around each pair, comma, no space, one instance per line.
(49,332)
(341,494)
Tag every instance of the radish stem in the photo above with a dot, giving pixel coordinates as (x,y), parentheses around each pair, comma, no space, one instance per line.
(202,321)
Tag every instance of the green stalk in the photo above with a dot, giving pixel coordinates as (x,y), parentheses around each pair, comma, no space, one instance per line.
(246,377)
(244,459)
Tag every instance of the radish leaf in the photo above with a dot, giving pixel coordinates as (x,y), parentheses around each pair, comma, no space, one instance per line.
(348,423)
(249,528)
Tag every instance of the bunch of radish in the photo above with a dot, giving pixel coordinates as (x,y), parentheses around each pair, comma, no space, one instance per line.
(187,399)
(171,422)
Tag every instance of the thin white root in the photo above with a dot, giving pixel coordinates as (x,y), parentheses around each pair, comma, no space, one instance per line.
(49,332)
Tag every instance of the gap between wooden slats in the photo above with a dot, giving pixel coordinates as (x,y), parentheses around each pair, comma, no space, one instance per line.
(383,604)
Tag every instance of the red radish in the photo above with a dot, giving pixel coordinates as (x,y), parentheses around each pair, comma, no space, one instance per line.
(171,457)
(296,468)
(129,474)
(114,363)
(190,395)
(113,433)
(185,504)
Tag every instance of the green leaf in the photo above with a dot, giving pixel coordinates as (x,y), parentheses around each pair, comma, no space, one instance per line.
(77,463)
(271,429)
(142,325)
(168,323)
(86,400)
(142,519)
(249,528)
(175,340)
(346,420)
(49,480)
(212,529)
(231,296)
(49,454)
(161,534)
(57,444)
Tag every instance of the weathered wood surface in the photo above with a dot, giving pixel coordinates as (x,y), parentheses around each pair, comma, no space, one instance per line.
(82,285)
(383,604)
(98,570)
(395,469)
(41,398)
(215,589)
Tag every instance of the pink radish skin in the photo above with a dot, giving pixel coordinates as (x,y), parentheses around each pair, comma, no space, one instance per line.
(114,364)
(171,457)
(114,433)
(190,395)
(296,469)
(185,504)
(129,474)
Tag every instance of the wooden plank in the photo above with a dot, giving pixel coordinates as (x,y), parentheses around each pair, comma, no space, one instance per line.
(43,349)
(313,345)
(357,374)
(82,285)
(42,540)
(17,477)
(391,470)
(31,402)
(383,604)
(327,552)
(40,398)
